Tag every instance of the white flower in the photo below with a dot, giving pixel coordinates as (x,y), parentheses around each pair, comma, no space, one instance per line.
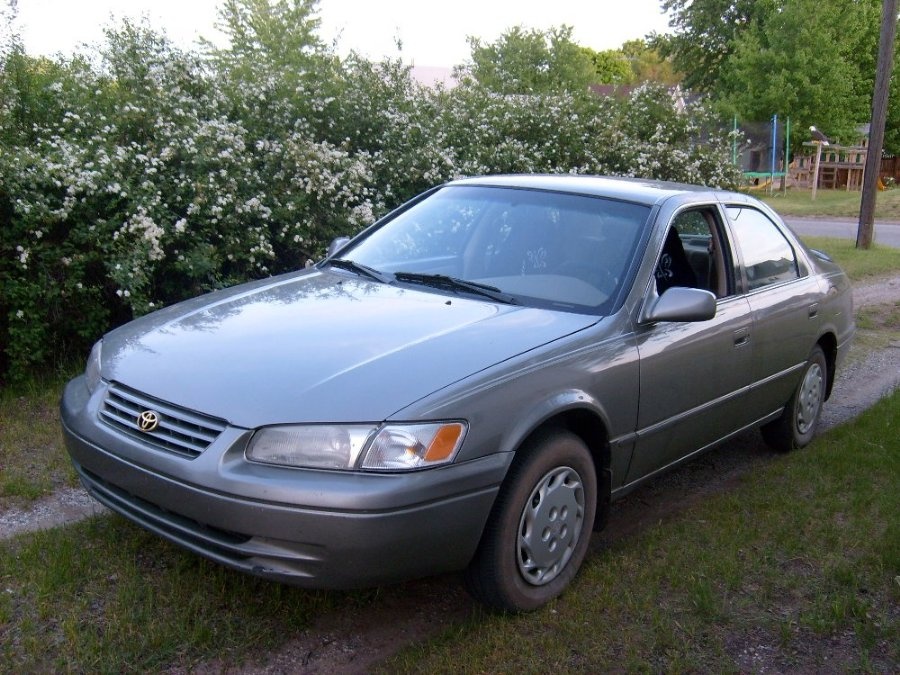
(141,224)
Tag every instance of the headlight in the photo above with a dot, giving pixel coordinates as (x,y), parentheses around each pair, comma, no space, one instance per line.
(390,448)
(414,446)
(92,369)
(317,446)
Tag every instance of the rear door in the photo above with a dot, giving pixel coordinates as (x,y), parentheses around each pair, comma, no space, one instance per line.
(783,299)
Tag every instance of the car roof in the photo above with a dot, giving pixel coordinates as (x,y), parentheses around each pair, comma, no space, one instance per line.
(640,190)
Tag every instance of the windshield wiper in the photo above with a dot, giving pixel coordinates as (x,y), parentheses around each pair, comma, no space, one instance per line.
(359,268)
(454,284)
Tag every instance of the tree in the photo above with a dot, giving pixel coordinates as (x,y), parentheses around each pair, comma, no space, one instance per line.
(275,64)
(811,61)
(280,31)
(610,66)
(523,61)
(892,123)
(705,33)
(888,33)
(647,64)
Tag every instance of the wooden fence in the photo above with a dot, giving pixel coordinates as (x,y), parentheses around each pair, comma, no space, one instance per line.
(890,167)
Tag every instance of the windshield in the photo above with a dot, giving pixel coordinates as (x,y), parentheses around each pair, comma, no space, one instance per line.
(565,251)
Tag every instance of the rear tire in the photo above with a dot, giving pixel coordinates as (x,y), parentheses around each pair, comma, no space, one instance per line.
(800,418)
(540,527)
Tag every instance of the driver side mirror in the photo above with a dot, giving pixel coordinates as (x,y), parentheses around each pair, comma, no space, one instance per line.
(682,304)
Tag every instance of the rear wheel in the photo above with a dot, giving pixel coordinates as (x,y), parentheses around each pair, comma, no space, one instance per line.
(540,528)
(800,419)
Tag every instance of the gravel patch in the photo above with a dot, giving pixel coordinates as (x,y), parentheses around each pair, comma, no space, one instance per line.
(861,384)
(879,292)
(61,508)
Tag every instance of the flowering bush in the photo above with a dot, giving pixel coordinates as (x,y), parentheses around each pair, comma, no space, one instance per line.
(153,174)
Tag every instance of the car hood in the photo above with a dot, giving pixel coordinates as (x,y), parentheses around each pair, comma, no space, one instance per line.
(320,347)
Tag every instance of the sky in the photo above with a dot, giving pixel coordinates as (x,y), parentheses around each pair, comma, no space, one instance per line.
(431,33)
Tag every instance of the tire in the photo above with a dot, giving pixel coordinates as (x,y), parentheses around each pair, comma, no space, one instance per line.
(800,418)
(540,527)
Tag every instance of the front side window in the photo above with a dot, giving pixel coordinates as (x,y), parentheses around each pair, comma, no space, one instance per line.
(693,254)
(768,256)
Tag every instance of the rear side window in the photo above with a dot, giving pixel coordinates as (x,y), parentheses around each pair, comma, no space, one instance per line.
(768,256)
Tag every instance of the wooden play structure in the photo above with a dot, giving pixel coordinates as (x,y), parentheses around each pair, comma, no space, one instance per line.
(765,147)
(830,166)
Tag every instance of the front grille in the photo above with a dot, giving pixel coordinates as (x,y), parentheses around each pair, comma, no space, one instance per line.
(180,431)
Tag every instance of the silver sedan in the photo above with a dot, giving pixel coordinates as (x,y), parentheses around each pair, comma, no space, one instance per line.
(465,385)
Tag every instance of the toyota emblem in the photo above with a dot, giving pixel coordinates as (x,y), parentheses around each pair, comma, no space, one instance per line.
(148,421)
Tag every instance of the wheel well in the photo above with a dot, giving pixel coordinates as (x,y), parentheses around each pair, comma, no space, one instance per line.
(591,430)
(828,343)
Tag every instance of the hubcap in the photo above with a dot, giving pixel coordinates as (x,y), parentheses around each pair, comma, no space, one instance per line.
(810,398)
(550,526)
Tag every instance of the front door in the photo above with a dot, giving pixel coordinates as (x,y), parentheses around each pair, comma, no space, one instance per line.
(694,377)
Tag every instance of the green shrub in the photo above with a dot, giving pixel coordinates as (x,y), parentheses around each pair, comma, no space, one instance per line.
(148,174)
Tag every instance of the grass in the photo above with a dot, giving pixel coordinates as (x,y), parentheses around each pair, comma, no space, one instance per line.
(882,318)
(877,328)
(33,461)
(105,596)
(835,203)
(795,569)
(859,265)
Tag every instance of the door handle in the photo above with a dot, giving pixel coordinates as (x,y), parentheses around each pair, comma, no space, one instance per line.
(813,310)
(741,337)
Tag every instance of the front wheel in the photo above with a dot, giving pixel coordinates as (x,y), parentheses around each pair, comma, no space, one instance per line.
(800,419)
(540,527)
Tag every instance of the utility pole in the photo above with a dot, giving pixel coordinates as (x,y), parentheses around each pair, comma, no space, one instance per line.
(866,229)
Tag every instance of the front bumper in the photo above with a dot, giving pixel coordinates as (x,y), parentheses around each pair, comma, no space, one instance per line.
(323,529)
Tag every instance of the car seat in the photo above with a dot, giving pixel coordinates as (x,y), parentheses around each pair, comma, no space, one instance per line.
(673,268)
